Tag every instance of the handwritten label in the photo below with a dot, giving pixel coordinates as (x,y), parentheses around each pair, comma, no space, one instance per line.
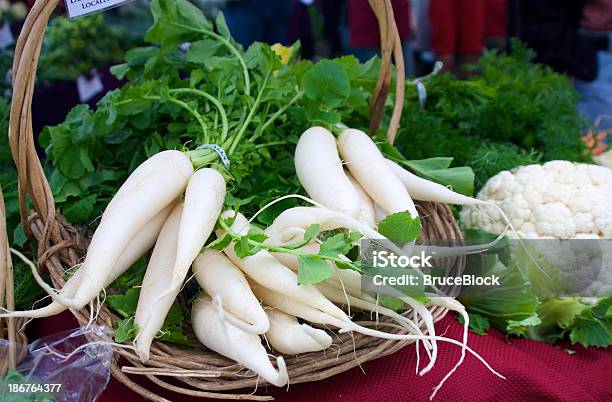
(77,8)
(89,87)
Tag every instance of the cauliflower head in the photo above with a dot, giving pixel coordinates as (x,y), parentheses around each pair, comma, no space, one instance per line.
(559,199)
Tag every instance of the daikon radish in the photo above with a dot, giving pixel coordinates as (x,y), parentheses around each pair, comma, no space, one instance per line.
(152,310)
(219,277)
(135,207)
(286,335)
(320,172)
(369,167)
(203,202)
(367,213)
(243,347)
(136,248)
(425,190)
(264,269)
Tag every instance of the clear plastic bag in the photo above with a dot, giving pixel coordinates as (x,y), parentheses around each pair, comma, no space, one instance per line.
(67,366)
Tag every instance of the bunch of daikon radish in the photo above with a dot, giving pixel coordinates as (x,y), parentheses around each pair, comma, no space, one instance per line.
(164,204)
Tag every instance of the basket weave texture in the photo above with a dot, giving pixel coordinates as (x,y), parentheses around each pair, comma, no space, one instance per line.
(196,371)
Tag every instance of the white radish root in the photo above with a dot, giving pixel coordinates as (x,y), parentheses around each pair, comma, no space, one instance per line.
(219,277)
(203,202)
(367,213)
(243,347)
(136,248)
(369,167)
(140,203)
(319,169)
(286,335)
(150,315)
(264,269)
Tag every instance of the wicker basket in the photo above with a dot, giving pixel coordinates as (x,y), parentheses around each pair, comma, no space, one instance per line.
(10,328)
(197,371)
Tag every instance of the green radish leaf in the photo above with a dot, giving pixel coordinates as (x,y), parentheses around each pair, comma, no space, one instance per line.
(80,209)
(257,235)
(202,50)
(354,236)
(221,26)
(327,84)
(437,169)
(132,277)
(335,245)
(124,305)
(313,270)
(242,247)
(400,228)
(220,243)
(19,236)
(522,327)
(174,335)
(311,232)
(125,330)
(390,302)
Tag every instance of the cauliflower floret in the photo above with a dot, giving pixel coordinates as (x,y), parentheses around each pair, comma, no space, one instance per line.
(558,199)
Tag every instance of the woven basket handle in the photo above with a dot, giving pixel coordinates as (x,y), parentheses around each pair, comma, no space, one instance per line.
(6,289)
(391,45)
(31,176)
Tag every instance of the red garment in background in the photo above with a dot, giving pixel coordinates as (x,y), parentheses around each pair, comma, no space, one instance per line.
(457,26)
(364,26)
(496,19)
(534,372)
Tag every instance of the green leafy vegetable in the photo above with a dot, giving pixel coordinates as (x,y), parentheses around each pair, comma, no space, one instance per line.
(400,228)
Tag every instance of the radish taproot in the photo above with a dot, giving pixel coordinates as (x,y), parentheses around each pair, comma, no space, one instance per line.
(150,316)
(203,202)
(319,169)
(286,335)
(243,347)
(136,205)
(282,230)
(367,213)
(136,248)
(264,269)
(219,277)
(369,167)
(425,190)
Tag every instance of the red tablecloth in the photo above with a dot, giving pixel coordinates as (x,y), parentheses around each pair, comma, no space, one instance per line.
(534,371)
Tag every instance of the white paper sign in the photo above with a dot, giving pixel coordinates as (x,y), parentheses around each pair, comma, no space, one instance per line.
(6,36)
(76,8)
(88,88)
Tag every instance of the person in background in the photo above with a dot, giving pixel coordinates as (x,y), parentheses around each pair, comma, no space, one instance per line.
(572,37)
(332,12)
(364,34)
(424,58)
(595,101)
(300,28)
(496,24)
(457,32)
(259,20)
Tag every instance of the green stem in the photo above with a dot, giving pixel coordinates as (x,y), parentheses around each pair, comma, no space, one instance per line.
(281,249)
(228,45)
(275,116)
(270,144)
(185,106)
(214,101)
(250,115)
